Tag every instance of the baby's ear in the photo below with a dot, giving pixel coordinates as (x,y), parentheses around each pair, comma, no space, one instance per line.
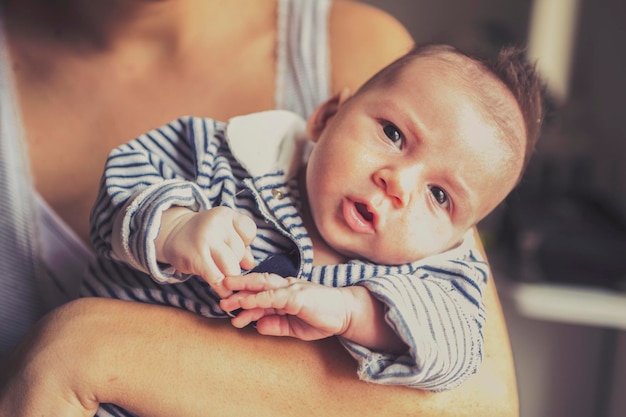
(324,112)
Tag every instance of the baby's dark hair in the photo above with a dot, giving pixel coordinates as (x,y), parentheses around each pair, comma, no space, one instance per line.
(510,66)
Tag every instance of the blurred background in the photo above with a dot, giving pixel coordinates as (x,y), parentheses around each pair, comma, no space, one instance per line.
(558,244)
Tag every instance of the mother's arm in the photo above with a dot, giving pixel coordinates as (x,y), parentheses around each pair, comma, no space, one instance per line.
(159,361)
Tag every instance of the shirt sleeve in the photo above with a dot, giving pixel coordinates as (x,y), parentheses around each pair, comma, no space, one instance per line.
(439,314)
(145,177)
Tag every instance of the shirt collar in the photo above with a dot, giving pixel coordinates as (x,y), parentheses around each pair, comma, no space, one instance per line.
(268,141)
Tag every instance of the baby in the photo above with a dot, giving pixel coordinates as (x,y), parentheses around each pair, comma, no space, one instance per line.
(357,223)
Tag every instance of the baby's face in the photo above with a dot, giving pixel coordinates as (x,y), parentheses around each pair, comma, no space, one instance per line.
(405,168)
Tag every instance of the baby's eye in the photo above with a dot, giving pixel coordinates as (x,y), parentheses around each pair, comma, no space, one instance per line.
(440,196)
(394,135)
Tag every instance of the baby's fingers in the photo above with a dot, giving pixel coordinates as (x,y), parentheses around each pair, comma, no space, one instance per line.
(215,267)
(245,228)
(248,259)
(225,259)
(240,241)
(232,302)
(247,300)
(255,282)
(245,317)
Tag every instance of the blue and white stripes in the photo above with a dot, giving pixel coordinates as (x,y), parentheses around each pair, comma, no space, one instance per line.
(435,305)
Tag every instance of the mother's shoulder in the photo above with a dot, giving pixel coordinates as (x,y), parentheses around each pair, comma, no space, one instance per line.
(363,39)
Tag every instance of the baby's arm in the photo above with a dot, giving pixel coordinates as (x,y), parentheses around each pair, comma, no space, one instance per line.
(153,214)
(437,313)
(309,311)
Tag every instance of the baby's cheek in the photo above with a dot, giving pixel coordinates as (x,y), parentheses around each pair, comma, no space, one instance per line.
(416,240)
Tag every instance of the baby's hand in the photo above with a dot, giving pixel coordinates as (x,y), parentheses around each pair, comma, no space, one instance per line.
(288,306)
(212,243)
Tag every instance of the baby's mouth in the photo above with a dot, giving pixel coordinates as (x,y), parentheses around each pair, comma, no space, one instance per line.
(364,212)
(358,217)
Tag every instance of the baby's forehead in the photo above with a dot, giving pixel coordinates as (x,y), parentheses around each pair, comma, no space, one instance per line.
(497,106)
(495,101)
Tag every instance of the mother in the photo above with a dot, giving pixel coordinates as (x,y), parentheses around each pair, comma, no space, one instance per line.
(79,78)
